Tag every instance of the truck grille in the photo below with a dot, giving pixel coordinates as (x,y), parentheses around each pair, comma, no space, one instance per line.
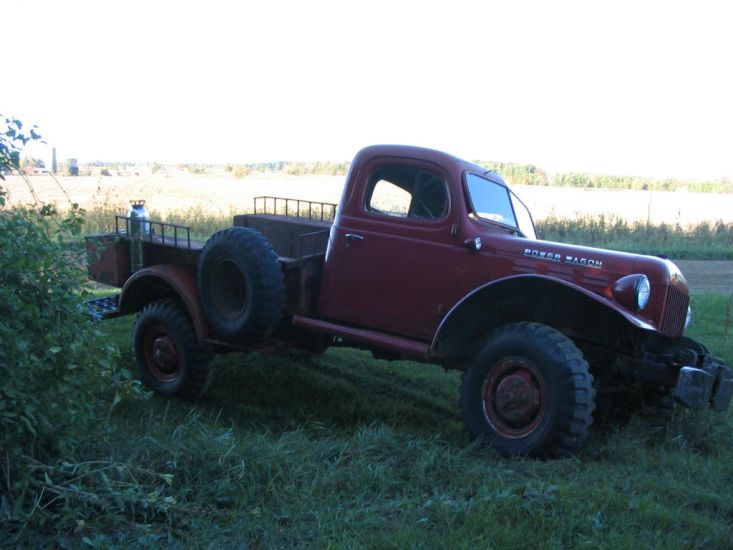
(675,312)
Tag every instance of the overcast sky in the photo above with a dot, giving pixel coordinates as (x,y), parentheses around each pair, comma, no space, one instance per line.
(637,88)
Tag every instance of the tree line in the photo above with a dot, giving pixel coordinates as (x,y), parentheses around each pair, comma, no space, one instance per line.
(513,173)
(529,174)
(516,174)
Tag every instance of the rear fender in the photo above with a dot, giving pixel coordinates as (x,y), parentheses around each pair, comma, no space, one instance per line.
(571,309)
(165,281)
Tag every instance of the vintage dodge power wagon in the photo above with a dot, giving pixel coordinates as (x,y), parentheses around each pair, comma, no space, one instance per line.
(429,258)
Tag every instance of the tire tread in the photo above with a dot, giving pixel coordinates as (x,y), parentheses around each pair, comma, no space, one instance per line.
(268,287)
(197,372)
(574,416)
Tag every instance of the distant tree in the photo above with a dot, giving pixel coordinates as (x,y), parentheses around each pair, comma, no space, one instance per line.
(30,163)
(517,174)
(240,171)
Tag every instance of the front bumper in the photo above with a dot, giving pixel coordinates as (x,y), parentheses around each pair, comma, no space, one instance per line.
(710,385)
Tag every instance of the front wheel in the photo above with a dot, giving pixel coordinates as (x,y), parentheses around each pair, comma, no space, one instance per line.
(528,392)
(170,359)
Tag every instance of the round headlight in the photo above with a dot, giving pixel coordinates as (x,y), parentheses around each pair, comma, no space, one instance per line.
(632,291)
(643,290)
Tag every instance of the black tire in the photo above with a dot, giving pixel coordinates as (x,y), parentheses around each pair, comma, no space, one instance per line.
(241,285)
(169,357)
(528,392)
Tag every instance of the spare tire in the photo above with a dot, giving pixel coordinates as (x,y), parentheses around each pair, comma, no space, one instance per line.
(241,285)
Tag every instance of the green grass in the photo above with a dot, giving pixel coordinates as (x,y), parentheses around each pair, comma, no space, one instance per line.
(344,451)
(703,241)
(712,323)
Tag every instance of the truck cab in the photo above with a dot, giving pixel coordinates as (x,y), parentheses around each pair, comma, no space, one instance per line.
(449,228)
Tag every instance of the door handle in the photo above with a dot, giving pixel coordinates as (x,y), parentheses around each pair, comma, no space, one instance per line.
(351,237)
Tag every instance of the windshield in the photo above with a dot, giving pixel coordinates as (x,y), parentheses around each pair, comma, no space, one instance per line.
(496,203)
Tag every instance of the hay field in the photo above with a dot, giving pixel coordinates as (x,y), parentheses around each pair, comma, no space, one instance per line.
(222,194)
(179,192)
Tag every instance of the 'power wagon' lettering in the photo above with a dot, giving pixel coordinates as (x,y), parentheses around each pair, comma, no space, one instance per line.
(557,258)
(542,255)
(584,262)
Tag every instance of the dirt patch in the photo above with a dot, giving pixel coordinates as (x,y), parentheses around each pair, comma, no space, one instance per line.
(708,275)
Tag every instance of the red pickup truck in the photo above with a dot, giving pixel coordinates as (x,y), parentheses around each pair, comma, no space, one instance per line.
(430,258)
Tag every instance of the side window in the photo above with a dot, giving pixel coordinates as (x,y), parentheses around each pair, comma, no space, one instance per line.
(406,192)
(388,198)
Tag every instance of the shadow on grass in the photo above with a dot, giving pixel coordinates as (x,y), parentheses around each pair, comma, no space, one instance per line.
(341,390)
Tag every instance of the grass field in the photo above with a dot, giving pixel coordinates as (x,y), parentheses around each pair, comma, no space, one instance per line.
(345,451)
(704,241)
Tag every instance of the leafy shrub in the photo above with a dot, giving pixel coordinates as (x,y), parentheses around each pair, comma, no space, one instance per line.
(56,370)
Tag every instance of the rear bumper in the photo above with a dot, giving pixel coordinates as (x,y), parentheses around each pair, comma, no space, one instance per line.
(707,386)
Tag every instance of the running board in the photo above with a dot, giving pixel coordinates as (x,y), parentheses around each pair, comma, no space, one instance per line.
(405,346)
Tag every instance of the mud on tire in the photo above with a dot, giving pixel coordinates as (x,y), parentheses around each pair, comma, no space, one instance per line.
(528,392)
(169,358)
(241,285)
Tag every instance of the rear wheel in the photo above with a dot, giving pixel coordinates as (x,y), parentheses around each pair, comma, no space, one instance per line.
(170,359)
(528,392)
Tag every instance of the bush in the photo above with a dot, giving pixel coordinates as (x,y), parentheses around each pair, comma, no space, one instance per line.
(57,373)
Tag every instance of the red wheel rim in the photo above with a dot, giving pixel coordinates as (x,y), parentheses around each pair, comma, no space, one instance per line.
(514,397)
(161,354)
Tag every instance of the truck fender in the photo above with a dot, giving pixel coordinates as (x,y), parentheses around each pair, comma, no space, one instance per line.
(563,305)
(165,281)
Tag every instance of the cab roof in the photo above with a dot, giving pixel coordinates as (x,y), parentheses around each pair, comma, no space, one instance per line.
(451,163)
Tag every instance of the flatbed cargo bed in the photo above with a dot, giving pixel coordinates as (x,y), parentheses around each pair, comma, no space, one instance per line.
(291,237)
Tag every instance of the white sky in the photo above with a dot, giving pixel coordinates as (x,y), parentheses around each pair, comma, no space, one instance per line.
(622,87)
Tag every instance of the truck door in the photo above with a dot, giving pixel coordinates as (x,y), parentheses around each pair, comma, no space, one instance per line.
(392,243)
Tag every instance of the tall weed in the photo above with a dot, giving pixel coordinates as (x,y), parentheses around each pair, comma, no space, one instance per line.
(706,240)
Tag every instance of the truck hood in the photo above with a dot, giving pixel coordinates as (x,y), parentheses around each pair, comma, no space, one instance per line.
(594,269)
(577,262)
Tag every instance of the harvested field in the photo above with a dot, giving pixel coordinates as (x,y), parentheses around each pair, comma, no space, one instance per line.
(223,194)
(175,193)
